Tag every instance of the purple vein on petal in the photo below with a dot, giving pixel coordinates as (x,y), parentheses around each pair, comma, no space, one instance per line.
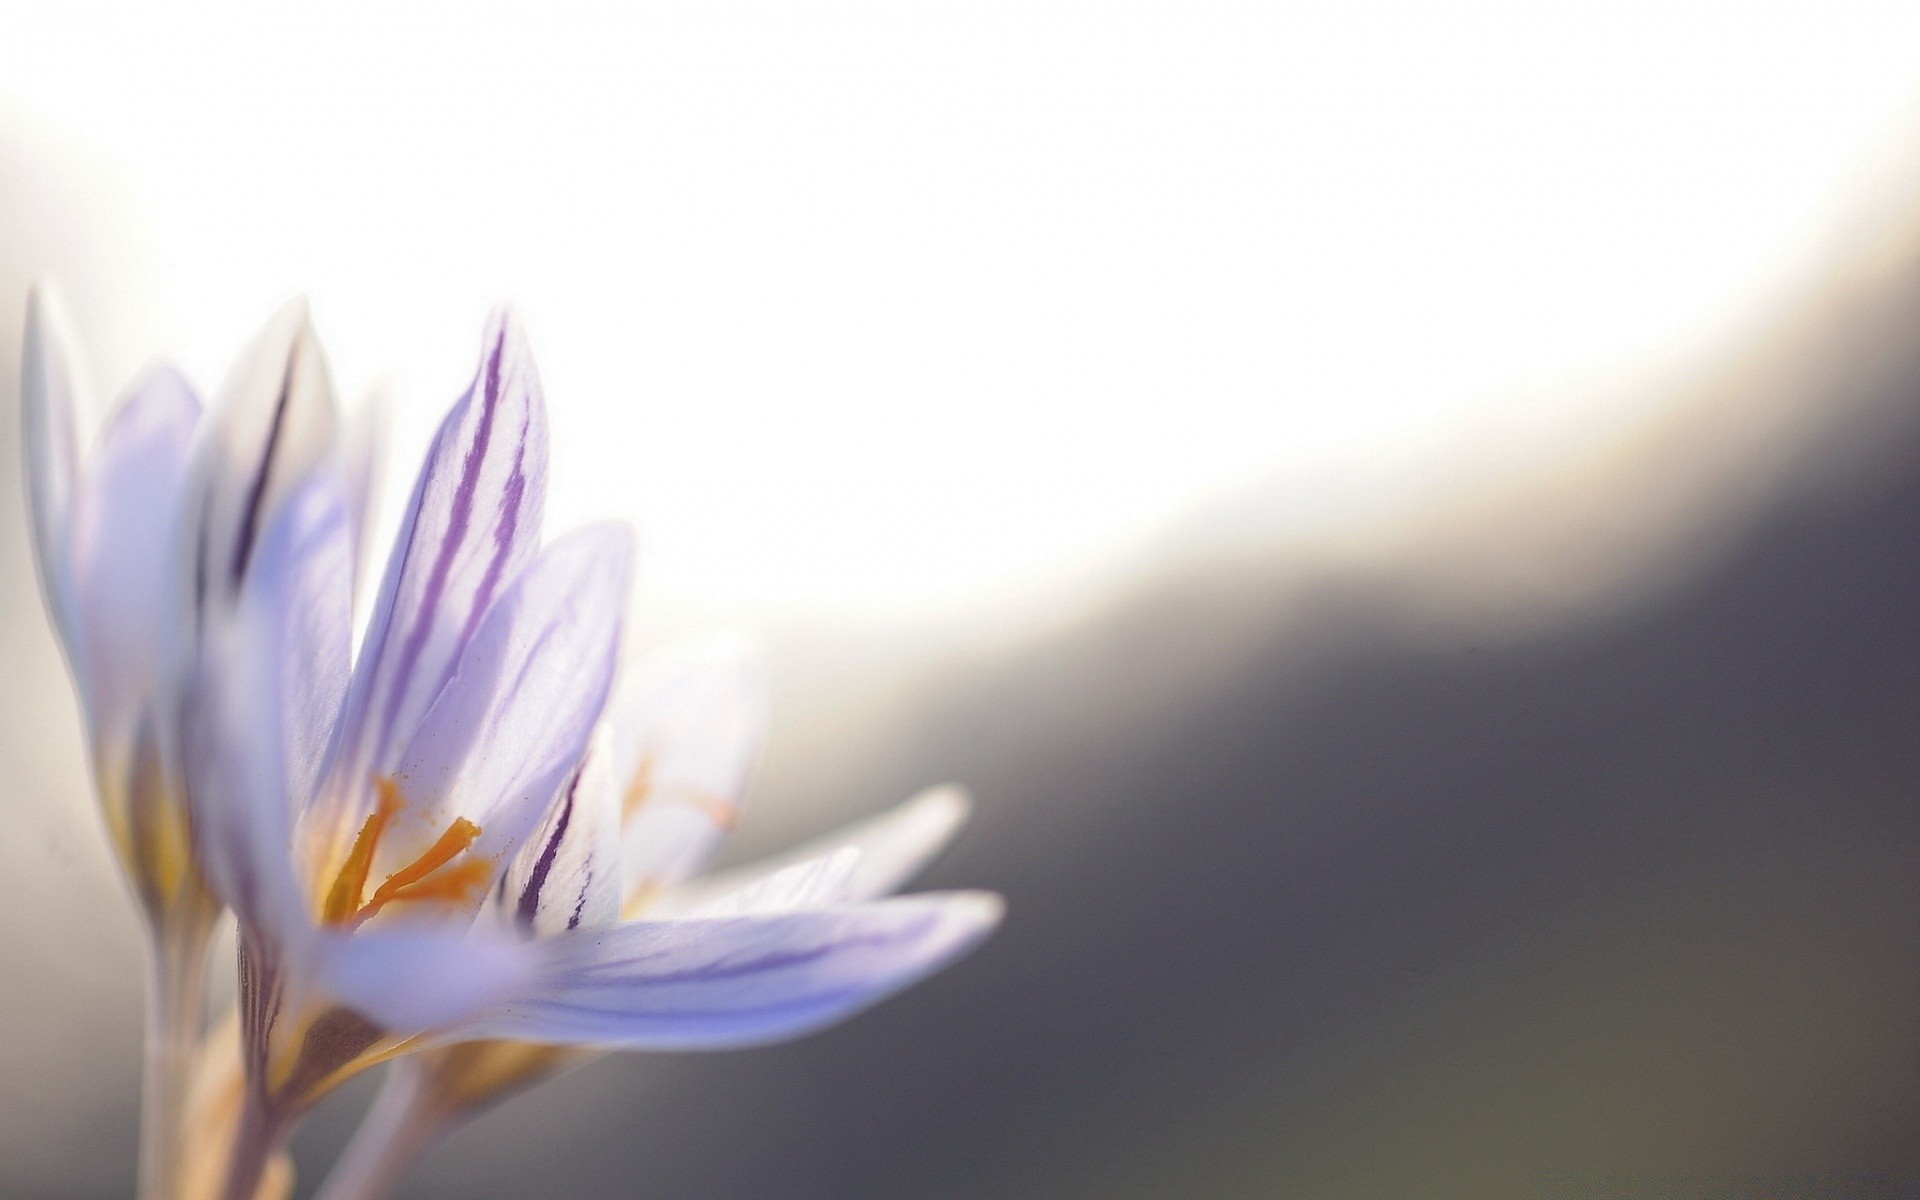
(530,896)
(458,518)
(774,960)
(431,607)
(257,491)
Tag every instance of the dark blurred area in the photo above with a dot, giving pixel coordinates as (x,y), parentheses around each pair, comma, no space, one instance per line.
(1568,840)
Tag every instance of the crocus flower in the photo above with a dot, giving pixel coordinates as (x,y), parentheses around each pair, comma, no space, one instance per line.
(108,536)
(662,786)
(360,814)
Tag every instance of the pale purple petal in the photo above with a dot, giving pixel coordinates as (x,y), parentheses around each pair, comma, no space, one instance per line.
(567,875)
(893,847)
(270,425)
(700,984)
(305,573)
(686,735)
(260,705)
(50,400)
(237,781)
(813,883)
(514,722)
(123,520)
(472,524)
(412,980)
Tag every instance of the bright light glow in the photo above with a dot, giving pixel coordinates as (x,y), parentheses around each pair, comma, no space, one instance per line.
(895,308)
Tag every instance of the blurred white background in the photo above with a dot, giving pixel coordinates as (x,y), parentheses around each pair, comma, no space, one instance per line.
(895,311)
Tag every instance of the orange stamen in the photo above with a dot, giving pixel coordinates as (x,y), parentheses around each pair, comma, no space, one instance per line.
(458,882)
(718,809)
(344,898)
(638,790)
(429,877)
(411,882)
(721,812)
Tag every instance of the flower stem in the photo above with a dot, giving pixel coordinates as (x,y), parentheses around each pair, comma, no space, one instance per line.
(393,1137)
(262,1132)
(176,976)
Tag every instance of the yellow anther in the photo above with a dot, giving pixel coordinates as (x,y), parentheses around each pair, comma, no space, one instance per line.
(638,789)
(432,876)
(343,901)
(417,881)
(718,809)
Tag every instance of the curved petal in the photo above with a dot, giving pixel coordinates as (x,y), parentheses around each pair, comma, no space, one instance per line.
(893,847)
(514,722)
(123,523)
(305,582)
(685,738)
(259,704)
(51,395)
(270,425)
(411,980)
(472,525)
(710,983)
(813,883)
(568,874)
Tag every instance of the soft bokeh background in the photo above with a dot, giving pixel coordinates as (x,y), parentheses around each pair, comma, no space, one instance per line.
(1407,516)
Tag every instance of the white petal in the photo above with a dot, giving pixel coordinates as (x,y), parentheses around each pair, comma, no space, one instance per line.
(568,874)
(893,848)
(123,523)
(815,883)
(270,425)
(687,733)
(411,980)
(738,981)
(51,397)
(514,722)
(665,843)
(268,682)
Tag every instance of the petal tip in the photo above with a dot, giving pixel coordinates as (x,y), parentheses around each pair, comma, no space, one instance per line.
(506,337)
(977,913)
(295,313)
(49,330)
(949,804)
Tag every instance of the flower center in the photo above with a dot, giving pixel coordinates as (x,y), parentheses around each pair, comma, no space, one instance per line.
(432,876)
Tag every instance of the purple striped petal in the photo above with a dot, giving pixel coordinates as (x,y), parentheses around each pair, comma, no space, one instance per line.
(567,876)
(123,521)
(514,722)
(50,399)
(270,426)
(892,848)
(472,525)
(700,984)
(260,706)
